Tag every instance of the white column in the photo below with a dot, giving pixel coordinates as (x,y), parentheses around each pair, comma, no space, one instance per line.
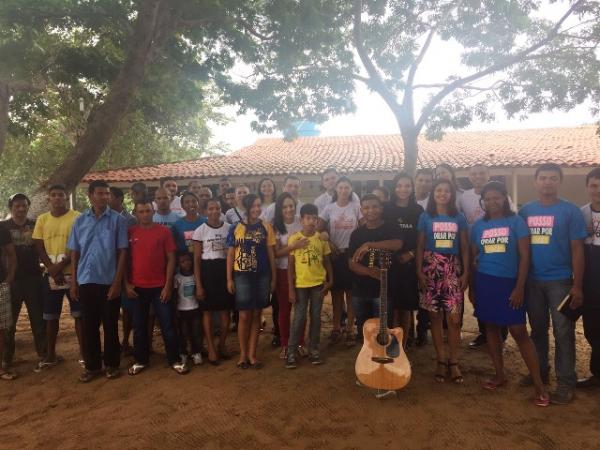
(515,187)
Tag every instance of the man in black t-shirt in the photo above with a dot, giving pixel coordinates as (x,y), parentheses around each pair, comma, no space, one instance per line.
(27,285)
(373,234)
(7,275)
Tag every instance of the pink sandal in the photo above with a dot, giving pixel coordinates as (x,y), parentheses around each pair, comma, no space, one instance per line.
(492,385)
(542,400)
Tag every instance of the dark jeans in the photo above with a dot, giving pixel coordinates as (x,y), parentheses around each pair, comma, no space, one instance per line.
(275,310)
(591,328)
(542,300)
(191,331)
(97,309)
(364,308)
(306,298)
(29,291)
(165,315)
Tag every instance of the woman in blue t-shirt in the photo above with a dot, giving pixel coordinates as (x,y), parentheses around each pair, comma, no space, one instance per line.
(500,253)
(442,262)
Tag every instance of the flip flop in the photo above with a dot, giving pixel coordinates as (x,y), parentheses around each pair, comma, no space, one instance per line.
(492,385)
(256,365)
(7,375)
(542,400)
(243,365)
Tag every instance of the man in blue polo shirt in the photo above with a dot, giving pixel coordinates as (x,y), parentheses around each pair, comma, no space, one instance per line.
(557,231)
(98,244)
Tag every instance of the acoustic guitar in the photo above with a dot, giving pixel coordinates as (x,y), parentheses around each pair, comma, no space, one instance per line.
(382,362)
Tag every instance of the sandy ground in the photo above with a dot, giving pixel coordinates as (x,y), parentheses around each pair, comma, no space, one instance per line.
(311,407)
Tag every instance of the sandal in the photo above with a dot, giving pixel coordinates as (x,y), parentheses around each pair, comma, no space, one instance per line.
(441,377)
(136,368)
(180,368)
(243,365)
(542,400)
(491,384)
(7,375)
(256,365)
(335,336)
(458,379)
(350,339)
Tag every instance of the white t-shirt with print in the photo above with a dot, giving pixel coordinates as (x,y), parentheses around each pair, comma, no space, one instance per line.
(186,290)
(282,240)
(343,220)
(214,240)
(326,198)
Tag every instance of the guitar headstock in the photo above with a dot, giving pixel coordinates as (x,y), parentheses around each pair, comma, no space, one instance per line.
(384,258)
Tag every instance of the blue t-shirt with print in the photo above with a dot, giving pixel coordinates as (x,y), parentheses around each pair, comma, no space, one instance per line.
(442,232)
(183,231)
(166,219)
(497,242)
(552,228)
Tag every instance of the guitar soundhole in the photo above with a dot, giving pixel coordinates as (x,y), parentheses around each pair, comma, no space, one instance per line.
(383,339)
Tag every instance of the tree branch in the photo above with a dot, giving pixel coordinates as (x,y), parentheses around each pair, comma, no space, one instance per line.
(413,68)
(501,65)
(375,79)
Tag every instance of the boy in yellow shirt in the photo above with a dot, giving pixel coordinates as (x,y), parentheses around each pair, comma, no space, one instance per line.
(310,276)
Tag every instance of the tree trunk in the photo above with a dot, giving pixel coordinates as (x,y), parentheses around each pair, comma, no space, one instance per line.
(4,99)
(411,148)
(105,117)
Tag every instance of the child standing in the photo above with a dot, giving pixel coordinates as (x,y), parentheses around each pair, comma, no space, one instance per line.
(188,310)
(310,276)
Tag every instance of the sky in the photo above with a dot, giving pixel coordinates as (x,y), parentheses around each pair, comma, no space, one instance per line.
(372,116)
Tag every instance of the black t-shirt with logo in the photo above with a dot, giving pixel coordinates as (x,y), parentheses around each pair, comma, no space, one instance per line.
(365,286)
(27,257)
(406,218)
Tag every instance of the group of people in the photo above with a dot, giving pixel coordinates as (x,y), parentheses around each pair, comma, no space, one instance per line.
(192,260)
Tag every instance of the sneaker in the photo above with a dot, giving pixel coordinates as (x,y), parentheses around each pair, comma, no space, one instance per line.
(562,395)
(477,342)
(315,359)
(290,362)
(197,359)
(81,362)
(45,364)
(112,373)
(302,351)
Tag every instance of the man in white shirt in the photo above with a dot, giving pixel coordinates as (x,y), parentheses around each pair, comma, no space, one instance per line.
(238,213)
(291,185)
(170,185)
(328,180)
(423,183)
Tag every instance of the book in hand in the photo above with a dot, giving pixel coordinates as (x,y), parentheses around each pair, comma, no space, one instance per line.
(570,313)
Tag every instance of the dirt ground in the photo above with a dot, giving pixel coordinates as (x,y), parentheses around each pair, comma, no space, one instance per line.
(311,407)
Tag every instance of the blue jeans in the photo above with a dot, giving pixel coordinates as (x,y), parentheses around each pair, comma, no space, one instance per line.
(304,297)
(165,315)
(364,308)
(543,297)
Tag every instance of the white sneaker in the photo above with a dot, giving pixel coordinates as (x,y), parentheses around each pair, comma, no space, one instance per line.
(197,358)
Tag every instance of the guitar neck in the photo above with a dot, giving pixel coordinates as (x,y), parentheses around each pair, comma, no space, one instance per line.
(383,314)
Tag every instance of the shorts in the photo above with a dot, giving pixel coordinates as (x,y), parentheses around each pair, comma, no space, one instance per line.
(252,290)
(342,275)
(443,291)
(214,282)
(53,301)
(5,307)
(404,288)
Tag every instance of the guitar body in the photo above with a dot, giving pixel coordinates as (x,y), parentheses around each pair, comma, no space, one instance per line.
(382,366)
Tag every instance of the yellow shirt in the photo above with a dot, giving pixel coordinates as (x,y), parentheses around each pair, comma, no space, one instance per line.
(55,231)
(310,270)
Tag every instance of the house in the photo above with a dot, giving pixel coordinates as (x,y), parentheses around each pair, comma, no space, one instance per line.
(374,160)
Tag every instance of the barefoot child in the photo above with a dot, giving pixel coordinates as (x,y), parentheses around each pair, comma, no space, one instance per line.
(310,276)
(188,310)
